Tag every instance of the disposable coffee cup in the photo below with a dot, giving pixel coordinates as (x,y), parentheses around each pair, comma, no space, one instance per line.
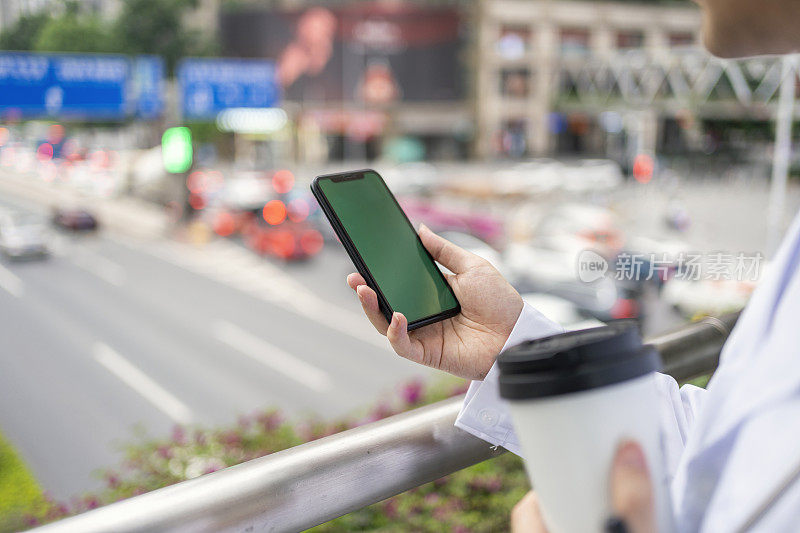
(573,398)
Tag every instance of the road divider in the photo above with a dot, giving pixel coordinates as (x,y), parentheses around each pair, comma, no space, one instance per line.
(11,283)
(273,357)
(143,384)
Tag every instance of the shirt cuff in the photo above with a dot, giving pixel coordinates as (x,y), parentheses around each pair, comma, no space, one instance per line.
(484,414)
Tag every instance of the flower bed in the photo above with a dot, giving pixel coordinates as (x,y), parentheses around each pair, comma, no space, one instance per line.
(475,499)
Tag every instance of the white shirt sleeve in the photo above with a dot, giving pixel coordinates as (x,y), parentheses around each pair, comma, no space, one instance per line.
(485,415)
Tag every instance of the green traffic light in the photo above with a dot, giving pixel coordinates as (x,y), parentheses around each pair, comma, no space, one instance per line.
(176,149)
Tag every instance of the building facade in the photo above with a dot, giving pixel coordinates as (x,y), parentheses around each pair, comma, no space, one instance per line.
(522,105)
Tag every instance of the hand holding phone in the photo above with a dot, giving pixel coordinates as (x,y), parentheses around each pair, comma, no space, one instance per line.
(466,344)
(384,247)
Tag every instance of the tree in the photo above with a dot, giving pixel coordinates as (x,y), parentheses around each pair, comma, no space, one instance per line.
(22,34)
(73,32)
(157,27)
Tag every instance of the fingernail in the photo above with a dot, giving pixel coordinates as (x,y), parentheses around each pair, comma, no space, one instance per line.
(396,319)
(423,227)
(630,454)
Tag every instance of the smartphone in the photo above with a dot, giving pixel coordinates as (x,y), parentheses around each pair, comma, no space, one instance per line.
(384,247)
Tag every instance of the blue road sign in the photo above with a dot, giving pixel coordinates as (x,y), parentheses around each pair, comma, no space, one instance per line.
(63,85)
(148,86)
(210,85)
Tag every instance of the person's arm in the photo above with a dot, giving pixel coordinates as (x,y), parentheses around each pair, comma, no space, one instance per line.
(486,416)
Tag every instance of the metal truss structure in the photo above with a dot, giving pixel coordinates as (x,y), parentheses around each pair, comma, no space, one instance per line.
(682,78)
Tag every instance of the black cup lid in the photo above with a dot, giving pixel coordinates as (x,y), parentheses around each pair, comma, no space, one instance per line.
(575,361)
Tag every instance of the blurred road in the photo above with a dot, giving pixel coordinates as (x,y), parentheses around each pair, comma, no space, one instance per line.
(108,334)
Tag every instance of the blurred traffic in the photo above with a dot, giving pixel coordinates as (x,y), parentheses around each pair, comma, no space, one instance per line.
(164,262)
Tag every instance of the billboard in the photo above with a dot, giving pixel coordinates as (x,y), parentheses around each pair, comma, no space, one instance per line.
(372,52)
(211,85)
(64,85)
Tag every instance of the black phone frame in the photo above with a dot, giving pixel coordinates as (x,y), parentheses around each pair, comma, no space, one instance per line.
(355,257)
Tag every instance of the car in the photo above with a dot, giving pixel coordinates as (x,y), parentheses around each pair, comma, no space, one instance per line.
(289,241)
(569,227)
(75,219)
(533,177)
(22,235)
(488,228)
(560,311)
(411,179)
(554,272)
(592,175)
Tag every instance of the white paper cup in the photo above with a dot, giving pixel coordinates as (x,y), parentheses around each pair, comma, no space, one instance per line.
(573,398)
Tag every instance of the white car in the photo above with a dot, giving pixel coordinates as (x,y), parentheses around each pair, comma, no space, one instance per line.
(569,227)
(554,272)
(22,235)
(418,178)
(592,175)
(560,311)
(707,297)
(537,176)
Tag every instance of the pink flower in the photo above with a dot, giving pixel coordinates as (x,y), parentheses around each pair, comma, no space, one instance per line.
(112,480)
(270,421)
(231,439)
(165,452)
(390,508)
(412,392)
(380,412)
(92,502)
(487,483)
(179,434)
(441,513)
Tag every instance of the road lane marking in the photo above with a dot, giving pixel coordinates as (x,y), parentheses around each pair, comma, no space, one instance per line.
(141,383)
(237,268)
(11,283)
(101,267)
(272,356)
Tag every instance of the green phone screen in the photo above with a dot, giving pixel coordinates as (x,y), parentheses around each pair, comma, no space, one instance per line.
(406,275)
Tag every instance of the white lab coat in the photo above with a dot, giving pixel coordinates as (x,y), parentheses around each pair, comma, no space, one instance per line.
(733,449)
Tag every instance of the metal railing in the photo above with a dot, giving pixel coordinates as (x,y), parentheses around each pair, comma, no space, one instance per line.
(315,482)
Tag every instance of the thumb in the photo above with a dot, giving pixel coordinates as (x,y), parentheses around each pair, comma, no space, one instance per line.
(456,259)
(632,490)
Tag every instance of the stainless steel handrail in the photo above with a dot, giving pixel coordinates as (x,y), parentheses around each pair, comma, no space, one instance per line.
(310,484)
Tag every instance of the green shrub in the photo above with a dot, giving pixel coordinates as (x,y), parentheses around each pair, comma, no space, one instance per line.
(20,494)
(476,499)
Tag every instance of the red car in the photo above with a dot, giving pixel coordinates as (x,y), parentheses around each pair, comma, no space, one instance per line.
(291,241)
